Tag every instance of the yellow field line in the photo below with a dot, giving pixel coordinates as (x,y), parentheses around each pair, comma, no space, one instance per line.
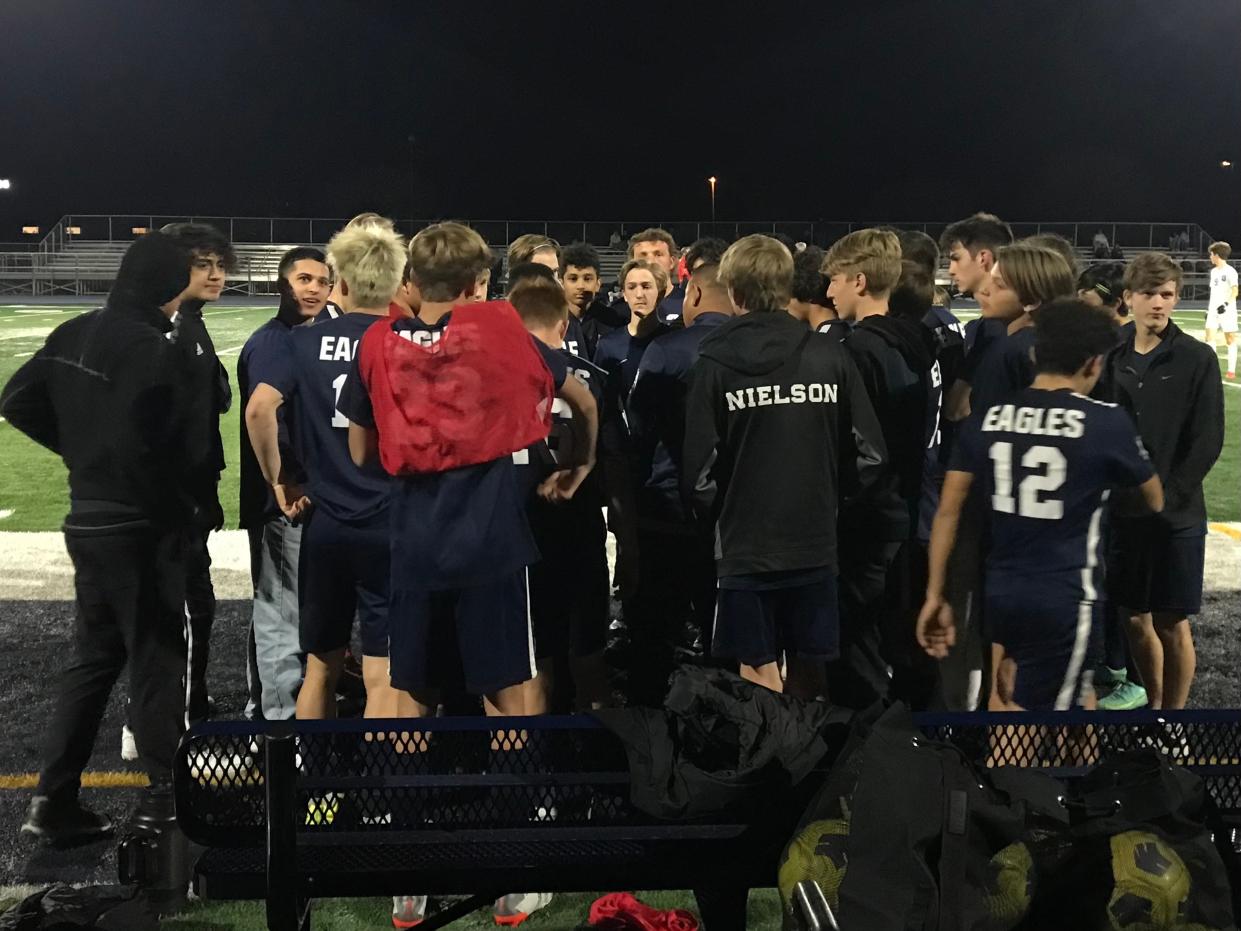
(114,780)
(1226,530)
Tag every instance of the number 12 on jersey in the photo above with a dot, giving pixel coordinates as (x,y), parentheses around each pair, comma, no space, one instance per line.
(1045,468)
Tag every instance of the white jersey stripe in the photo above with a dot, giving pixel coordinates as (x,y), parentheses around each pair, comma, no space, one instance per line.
(534,668)
(1085,613)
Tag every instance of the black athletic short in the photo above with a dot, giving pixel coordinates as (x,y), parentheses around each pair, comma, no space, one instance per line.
(757,625)
(1154,568)
(343,574)
(482,634)
(569,590)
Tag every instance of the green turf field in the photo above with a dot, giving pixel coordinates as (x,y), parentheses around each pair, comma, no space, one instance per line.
(32,481)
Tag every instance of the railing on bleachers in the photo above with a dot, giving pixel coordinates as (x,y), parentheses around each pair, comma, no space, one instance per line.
(81,253)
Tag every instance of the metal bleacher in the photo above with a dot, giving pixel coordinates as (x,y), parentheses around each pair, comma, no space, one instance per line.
(81,254)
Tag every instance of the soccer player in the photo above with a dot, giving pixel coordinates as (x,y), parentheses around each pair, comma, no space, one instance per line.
(213,258)
(461,540)
(537,272)
(672,609)
(1023,278)
(580,271)
(119,417)
(270,515)
(1104,286)
(1222,308)
(343,569)
(619,353)
(809,302)
(768,421)
(1045,458)
(1169,383)
(971,245)
(657,247)
(368,218)
(569,584)
(894,355)
(705,251)
(532,247)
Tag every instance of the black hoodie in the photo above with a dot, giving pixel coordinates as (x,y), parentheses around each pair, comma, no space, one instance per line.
(106,392)
(777,421)
(894,356)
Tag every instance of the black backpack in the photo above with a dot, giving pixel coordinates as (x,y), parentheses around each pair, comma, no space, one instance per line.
(94,908)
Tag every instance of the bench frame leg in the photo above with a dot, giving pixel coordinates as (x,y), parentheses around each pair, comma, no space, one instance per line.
(722,908)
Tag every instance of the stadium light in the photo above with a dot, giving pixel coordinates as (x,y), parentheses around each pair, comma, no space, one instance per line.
(139,230)
(1225,164)
(73,230)
(5,184)
(711,181)
(30,230)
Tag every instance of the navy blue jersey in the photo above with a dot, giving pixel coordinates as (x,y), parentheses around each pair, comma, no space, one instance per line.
(1046,460)
(539,460)
(1005,367)
(319,364)
(265,355)
(656,415)
(949,361)
(456,529)
(670,310)
(574,337)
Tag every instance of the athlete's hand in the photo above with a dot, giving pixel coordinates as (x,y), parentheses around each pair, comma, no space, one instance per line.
(563,484)
(289,498)
(937,631)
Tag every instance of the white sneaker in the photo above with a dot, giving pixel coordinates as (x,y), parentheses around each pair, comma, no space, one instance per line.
(408,911)
(511,910)
(129,745)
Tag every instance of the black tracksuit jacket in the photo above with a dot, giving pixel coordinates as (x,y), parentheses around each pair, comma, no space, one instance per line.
(777,423)
(1178,408)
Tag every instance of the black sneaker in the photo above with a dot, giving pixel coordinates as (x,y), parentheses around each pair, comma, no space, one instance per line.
(63,822)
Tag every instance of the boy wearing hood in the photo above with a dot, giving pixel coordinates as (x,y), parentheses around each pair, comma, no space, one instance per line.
(107,394)
(269,513)
(776,420)
(894,356)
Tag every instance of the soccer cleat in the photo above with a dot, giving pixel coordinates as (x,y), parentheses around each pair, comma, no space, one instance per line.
(408,910)
(129,744)
(63,822)
(1127,696)
(512,910)
(1230,375)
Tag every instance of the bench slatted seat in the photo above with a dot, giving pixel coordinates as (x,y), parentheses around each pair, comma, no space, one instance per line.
(483,807)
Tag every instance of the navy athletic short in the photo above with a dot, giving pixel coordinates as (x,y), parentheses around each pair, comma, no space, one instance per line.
(757,625)
(569,591)
(482,635)
(343,573)
(1055,640)
(1153,568)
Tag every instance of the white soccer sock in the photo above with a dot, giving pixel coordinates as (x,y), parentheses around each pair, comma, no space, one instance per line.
(1232,357)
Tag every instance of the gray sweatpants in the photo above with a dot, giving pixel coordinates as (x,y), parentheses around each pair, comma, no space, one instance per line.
(274,551)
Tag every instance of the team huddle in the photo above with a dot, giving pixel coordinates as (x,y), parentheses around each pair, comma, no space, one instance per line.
(813,472)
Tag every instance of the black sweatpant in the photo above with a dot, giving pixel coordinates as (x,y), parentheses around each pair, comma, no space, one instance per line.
(130,585)
(200,602)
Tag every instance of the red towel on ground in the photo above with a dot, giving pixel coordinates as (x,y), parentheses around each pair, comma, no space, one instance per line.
(620,911)
(481,392)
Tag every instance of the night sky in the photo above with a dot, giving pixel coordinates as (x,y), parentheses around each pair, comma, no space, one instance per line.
(1072,109)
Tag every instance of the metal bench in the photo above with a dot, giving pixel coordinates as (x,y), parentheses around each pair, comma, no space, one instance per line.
(485,807)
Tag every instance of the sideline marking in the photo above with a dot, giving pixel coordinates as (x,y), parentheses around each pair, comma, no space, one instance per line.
(103,780)
(1225,529)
